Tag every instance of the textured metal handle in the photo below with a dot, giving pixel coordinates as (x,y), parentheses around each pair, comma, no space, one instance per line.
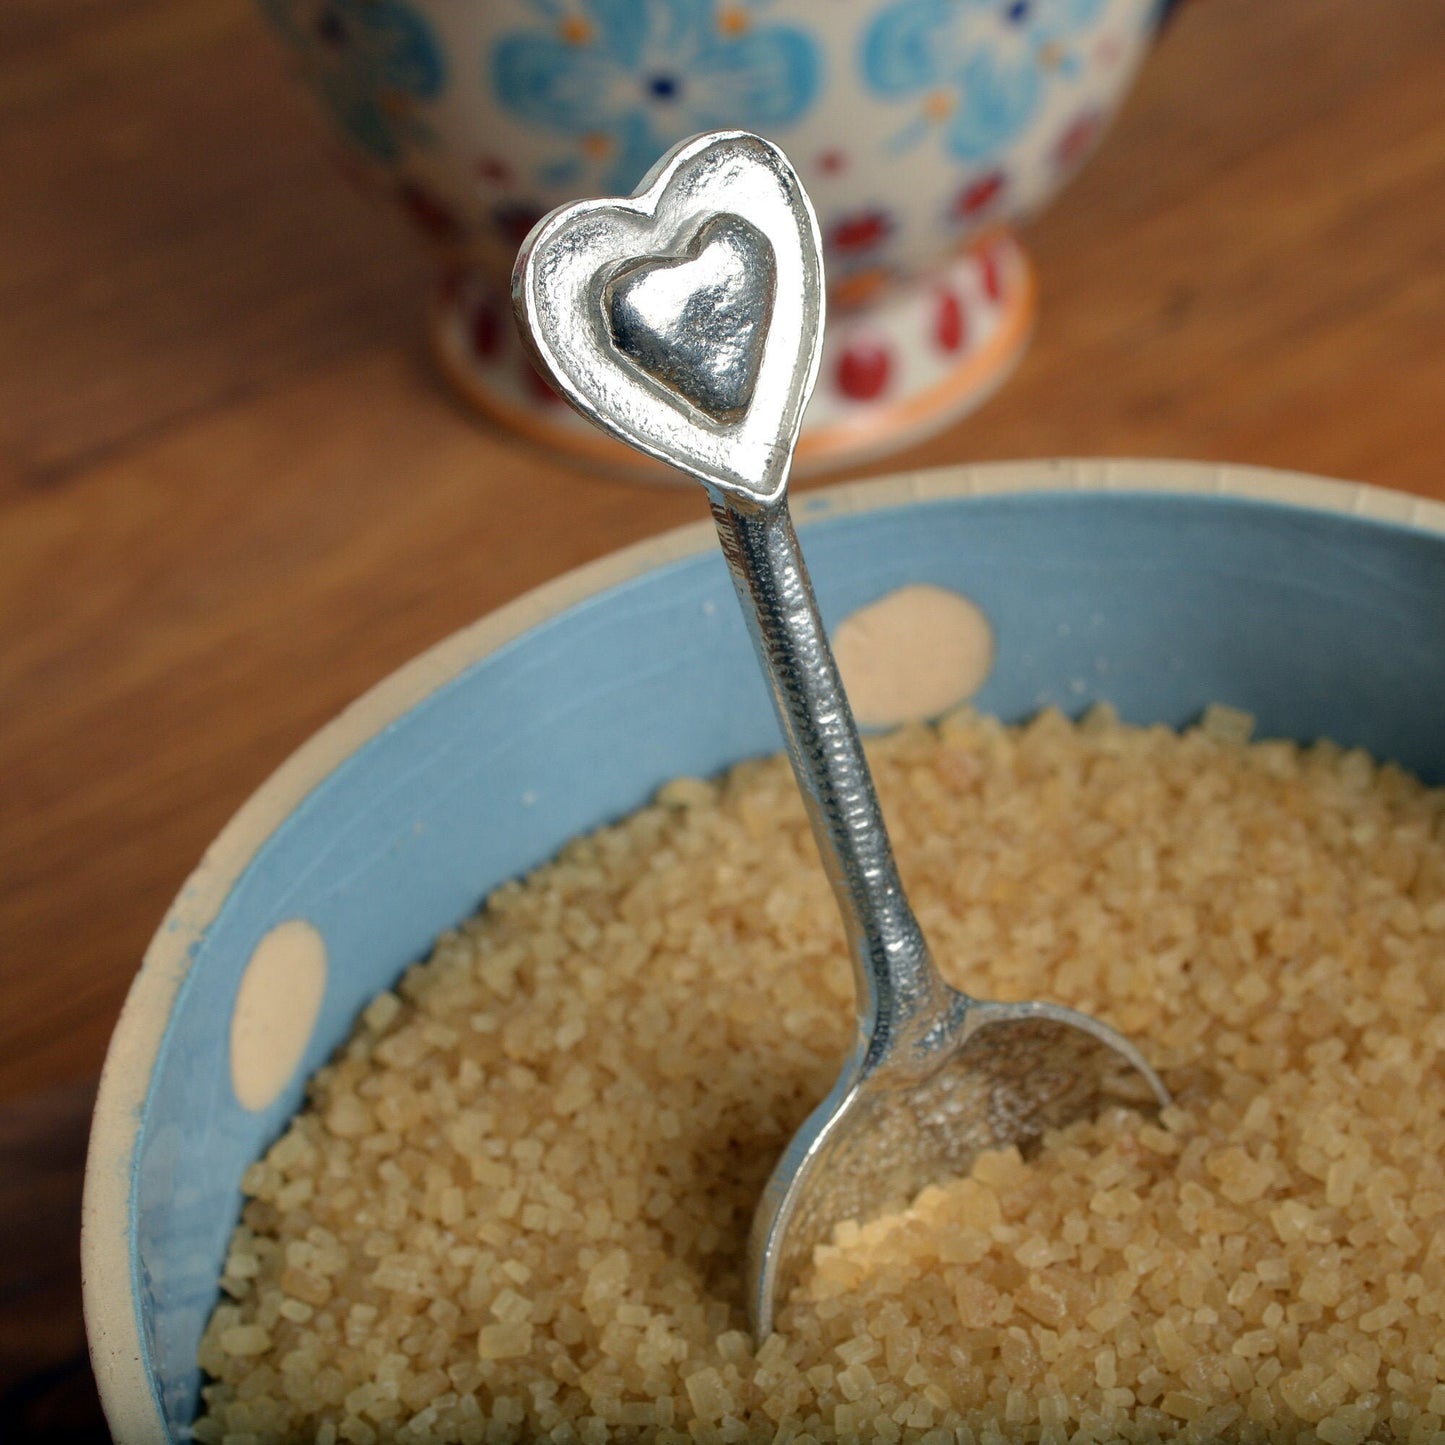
(896,981)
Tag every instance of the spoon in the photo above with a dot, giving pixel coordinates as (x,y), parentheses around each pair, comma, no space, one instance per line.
(687,320)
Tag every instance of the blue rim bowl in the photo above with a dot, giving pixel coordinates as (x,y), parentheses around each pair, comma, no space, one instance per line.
(1160,587)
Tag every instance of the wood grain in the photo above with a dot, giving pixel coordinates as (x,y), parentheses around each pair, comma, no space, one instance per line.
(46,1392)
(233,493)
(180,241)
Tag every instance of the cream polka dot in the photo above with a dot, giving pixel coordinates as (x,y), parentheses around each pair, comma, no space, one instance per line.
(276,1009)
(915,653)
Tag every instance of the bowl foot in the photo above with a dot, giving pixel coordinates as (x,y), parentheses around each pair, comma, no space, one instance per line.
(893,372)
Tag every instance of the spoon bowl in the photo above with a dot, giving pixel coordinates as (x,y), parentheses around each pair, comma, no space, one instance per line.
(982,1075)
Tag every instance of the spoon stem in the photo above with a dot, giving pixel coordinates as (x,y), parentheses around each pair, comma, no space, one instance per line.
(895,977)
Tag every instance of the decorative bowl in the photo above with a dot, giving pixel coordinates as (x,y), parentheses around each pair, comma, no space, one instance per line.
(923,131)
(1160,587)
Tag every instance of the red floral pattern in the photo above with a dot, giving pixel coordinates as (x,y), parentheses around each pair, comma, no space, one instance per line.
(864,371)
(862,231)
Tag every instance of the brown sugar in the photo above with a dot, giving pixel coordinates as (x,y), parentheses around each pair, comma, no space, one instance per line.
(515,1206)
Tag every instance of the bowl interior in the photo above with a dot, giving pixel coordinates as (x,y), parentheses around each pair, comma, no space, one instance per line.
(1319,623)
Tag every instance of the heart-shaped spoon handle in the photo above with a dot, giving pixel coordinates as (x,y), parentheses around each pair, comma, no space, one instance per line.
(688,321)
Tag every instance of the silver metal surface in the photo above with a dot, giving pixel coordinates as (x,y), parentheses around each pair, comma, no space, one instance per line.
(688,321)
(696,324)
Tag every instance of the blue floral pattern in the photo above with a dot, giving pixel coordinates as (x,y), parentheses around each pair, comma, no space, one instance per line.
(626,79)
(982,66)
(370,61)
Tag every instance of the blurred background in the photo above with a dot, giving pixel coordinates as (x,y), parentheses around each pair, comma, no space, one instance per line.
(236,490)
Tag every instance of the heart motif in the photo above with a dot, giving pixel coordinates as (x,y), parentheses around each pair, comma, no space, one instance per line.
(697,323)
(688,319)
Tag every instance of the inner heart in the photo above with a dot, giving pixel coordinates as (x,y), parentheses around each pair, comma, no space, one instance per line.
(697,323)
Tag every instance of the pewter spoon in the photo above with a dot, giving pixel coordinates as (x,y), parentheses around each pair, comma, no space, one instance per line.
(687,320)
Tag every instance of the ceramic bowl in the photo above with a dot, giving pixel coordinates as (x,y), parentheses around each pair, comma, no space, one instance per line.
(923,131)
(1159,587)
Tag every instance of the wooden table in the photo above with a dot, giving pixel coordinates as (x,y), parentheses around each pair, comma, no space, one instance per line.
(233,492)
